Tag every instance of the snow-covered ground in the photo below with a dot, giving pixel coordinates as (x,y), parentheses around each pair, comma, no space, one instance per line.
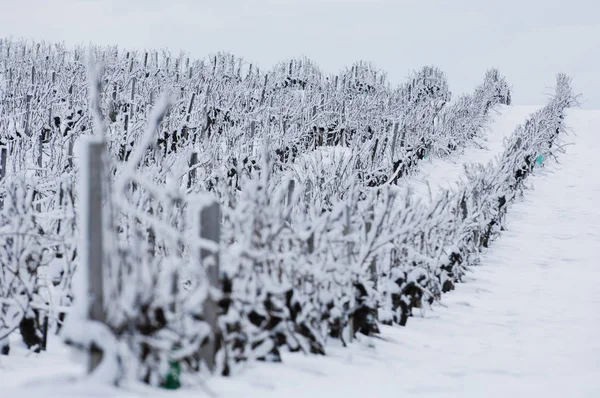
(525,324)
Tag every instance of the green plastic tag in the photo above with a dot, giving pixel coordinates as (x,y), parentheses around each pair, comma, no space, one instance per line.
(172,379)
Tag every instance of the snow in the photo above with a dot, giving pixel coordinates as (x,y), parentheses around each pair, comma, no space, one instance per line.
(525,323)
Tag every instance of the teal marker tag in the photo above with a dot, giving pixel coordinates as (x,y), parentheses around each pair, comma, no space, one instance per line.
(539,159)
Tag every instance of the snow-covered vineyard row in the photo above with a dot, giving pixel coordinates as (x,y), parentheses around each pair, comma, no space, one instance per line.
(319,239)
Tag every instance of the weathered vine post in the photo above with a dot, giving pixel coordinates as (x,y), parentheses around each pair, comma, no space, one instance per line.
(27,114)
(290,197)
(3,158)
(394,141)
(252,133)
(192,172)
(368,227)
(210,229)
(347,225)
(92,208)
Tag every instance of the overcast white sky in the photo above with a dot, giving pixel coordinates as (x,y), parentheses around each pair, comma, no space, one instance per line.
(528,40)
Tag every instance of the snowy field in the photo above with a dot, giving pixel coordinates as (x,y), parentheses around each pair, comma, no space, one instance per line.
(525,324)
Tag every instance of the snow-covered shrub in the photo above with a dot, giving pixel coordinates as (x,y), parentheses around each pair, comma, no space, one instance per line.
(447,236)
(23,252)
(495,89)
(260,314)
(463,119)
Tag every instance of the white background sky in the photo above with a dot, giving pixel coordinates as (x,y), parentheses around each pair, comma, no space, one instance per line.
(528,40)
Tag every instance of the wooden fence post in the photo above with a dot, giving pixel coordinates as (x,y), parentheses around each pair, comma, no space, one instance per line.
(184,129)
(133,81)
(28,108)
(264,90)
(373,264)
(3,159)
(290,197)
(394,140)
(374,152)
(95,253)
(70,151)
(347,225)
(368,227)
(192,172)
(190,106)
(210,229)
(40,143)
(252,133)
